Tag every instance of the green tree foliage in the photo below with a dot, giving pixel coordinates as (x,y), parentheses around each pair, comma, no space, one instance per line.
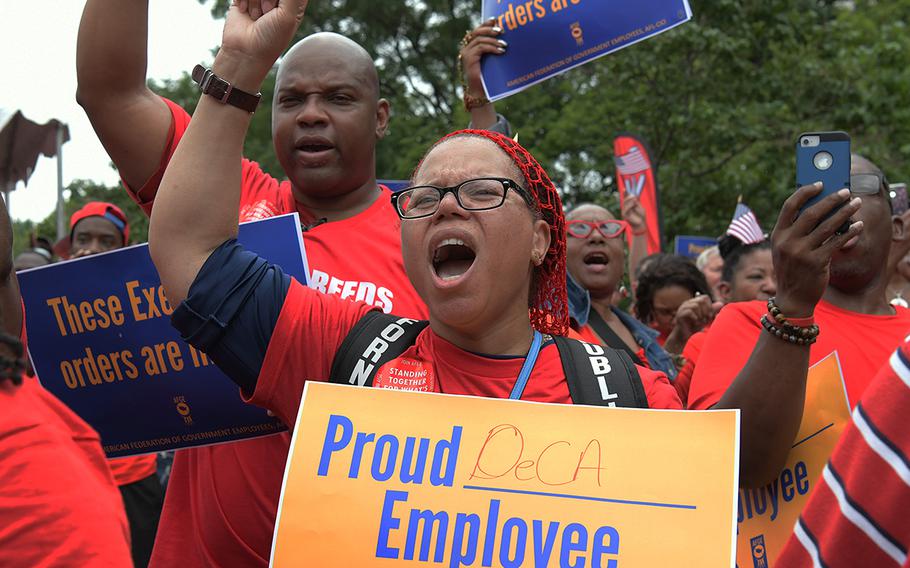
(720,99)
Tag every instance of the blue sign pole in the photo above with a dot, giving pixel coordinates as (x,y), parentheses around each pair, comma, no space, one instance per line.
(100,340)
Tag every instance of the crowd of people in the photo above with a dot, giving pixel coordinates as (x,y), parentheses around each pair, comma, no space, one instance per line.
(480,246)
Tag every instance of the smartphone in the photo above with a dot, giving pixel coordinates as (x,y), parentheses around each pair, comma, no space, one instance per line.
(899,200)
(824,157)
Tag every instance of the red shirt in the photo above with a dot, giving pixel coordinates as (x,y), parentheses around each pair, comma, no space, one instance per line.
(293,357)
(691,353)
(132,469)
(359,259)
(58,502)
(863,344)
(222,500)
(857,516)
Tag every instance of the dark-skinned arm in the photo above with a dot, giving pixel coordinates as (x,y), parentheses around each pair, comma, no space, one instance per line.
(197,205)
(633,213)
(484,41)
(770,390)
(111,59)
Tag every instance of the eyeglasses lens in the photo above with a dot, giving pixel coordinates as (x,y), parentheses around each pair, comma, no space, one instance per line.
(865,184)
(610,229)
(482,194)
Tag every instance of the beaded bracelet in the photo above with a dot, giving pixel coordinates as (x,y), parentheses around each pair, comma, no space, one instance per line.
(796,335)
(774,311)
(471,102)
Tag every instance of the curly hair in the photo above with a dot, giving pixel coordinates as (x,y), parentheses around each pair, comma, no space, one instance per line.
(11,368)
(548,302)
(664,270)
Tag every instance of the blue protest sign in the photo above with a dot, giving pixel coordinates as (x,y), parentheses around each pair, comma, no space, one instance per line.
(394,184)
(100,340)
(691,247)
(549,37)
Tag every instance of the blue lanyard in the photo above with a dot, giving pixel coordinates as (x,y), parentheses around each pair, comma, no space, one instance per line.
(528,366)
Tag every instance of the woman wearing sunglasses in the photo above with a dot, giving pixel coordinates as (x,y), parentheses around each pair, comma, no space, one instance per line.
(596,263)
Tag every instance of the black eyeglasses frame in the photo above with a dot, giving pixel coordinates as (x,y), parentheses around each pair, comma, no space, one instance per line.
(507,184)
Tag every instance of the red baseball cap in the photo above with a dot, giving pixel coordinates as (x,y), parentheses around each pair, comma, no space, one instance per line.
(103,209)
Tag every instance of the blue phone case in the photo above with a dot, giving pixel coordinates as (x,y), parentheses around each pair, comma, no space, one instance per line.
(835,177)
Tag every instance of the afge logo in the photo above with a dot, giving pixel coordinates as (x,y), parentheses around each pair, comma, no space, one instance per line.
(759,553)
(183,409)
(576,32)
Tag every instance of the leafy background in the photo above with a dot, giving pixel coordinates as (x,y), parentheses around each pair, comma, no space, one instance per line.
(720,99)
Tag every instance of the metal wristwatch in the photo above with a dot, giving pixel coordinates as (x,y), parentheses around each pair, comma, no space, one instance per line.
(215,86)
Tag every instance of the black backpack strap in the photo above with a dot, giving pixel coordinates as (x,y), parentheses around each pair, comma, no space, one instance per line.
(373,341)
(600,376)
(609,336)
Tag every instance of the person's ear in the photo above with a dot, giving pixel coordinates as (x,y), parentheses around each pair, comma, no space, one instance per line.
(541,242)
(899,226)
(900,239)
(383,114)
(725,291)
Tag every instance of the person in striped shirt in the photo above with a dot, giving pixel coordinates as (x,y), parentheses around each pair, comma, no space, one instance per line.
(859,514)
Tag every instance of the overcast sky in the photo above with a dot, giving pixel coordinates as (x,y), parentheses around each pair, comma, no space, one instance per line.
(38,43)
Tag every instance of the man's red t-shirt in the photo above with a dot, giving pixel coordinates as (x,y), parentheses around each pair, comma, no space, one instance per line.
(222,500)
(863,343)
(58,502)
(312,326)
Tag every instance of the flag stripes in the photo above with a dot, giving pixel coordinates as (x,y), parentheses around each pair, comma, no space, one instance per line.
(744,226)
(632,162)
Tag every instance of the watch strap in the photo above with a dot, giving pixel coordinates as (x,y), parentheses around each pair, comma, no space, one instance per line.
(224,92)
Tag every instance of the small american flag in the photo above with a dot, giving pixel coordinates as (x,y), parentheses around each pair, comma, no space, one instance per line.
(632,162)
(744,226)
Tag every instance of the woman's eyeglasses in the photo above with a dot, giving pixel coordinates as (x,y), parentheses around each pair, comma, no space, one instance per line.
(477,194)
(608,229)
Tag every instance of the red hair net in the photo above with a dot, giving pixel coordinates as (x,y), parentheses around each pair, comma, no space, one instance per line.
(548,304)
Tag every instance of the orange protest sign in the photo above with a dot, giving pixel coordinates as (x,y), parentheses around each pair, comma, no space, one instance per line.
(766,515)
(379,476)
